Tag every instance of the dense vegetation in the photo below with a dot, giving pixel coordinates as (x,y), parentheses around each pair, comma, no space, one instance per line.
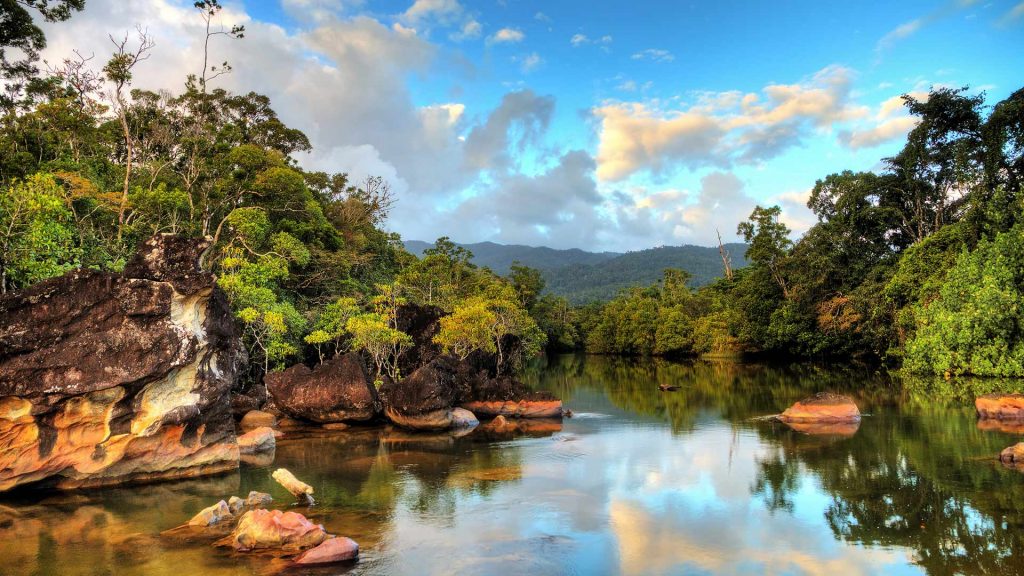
(584,277)
(91,165)
(919,264)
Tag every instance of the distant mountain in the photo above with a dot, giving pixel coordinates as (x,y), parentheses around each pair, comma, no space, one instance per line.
(583,276)
(499,257)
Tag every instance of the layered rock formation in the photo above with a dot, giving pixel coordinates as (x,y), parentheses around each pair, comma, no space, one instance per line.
(505,396)
(110,378)
(338,390)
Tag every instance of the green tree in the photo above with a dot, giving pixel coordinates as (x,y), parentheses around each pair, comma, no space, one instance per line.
(975,325)
(37,239)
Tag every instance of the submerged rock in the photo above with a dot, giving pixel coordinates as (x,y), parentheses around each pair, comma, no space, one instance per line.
(338,390)
(822,407)
(302,491)
(1000,406)
(113,378)
(331,551)
(274,530)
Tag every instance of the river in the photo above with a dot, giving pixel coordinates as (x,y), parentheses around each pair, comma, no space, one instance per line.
(638,481)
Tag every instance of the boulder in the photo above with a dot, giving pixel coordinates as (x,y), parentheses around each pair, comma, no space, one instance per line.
(822,407)
(1013,455)
(252,399)
(505,396)
(424,399)
(235,504)
(1000,406)
(213,515)
(115,378)
(274,530)
(257,440)
(330,551)
(302,491)
(257,419)
(336,391)
(462,418)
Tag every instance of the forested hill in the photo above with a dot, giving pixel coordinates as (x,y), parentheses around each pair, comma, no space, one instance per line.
(583,276)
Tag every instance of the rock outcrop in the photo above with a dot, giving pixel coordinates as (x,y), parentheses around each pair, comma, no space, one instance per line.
(112,378)
(823,407)
(424,399)
(1000,406)
(338,390)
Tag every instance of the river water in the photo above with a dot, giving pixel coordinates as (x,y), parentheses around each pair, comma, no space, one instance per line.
(639,481)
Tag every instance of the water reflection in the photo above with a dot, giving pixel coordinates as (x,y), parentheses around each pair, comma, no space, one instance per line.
(639,482)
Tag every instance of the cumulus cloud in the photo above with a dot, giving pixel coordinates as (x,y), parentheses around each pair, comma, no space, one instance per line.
(891,122)
(721,128)
(506,36)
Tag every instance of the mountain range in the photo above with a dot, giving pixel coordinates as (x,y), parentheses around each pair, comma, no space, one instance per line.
(583,276)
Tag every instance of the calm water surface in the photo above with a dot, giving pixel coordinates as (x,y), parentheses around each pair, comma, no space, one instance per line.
(639,482)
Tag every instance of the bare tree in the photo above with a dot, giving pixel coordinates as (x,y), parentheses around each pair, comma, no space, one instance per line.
(118,71)
(726,258)
(208,9)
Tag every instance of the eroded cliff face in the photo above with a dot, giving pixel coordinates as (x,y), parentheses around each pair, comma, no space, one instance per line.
(113,378)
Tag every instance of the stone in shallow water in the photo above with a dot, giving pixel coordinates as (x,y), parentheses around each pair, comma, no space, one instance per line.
(1000,406)
(256,499)
(822,407)
(274,530)
(212,515)
(1013,455)
(257,440)
(339,549)
(462,418)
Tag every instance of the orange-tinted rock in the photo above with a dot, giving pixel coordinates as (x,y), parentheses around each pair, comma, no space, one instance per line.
(257,440)
(335,426)
(114,378)
(516,408)
(822,407)
(331,551)
(257,419)
(825,428)
(1000,406)
(274,530)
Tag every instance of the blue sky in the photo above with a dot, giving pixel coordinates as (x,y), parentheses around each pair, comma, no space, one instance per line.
(612,125)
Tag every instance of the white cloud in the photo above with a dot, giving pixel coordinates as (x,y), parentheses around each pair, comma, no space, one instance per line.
(529,62)
(578,40)
(655,54)
(722,128)
(506,36)
(470,29)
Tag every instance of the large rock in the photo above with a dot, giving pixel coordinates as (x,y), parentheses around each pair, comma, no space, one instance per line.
(274,530)
(424,399)
(337,390)
(822,407)
(505,396)
(1014,455)
(1000,406)
(112,378)
(257,440)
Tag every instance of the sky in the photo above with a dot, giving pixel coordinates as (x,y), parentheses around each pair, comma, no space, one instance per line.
(596,125)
